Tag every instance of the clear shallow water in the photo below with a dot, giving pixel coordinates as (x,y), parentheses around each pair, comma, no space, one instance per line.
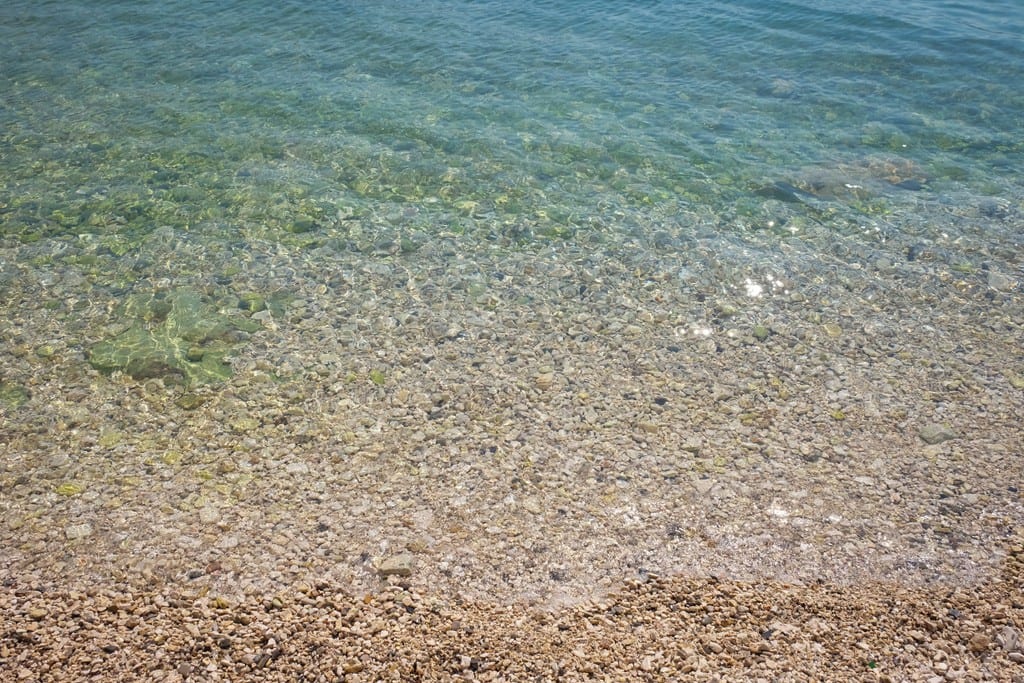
(542,121)
(600,277)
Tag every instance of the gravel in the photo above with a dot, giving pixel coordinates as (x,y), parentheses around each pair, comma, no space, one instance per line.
(700,629)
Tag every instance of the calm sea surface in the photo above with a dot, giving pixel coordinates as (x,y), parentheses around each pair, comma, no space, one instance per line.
(536,120)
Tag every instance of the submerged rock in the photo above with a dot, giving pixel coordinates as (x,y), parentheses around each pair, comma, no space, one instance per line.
(177,334)
(13,395)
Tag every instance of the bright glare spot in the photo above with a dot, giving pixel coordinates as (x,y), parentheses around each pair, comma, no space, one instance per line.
(754,290)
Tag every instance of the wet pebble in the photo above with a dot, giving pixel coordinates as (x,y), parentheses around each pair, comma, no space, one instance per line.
(936,433)
(76,531)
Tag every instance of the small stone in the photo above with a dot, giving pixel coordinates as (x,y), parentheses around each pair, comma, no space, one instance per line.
(296,468)
(75,531)
(1000,281)
(352,666)
(1009,639)
(417,545)
(46,351)
(243,425)
(936,433)
(399,565)
(726,310)
(979,642)
(209,514)
(781,87)
(37,613)
(649,427)
(69,489)
(545,380)
(109,438)
(761,332)
(303,224)
(189,401)
(833,330)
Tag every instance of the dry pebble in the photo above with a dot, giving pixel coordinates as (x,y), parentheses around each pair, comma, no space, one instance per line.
(704,629)
(399,565)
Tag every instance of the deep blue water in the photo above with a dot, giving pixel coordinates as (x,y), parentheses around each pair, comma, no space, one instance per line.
(271,119)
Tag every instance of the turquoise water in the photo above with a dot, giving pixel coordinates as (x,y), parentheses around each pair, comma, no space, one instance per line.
(533,122)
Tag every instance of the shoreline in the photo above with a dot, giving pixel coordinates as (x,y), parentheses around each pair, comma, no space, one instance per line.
(705,629)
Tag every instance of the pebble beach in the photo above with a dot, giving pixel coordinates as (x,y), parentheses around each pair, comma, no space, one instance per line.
(430,342)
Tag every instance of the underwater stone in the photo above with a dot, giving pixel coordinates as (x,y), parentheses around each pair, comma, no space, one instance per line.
(936,433)
(303,224)
(177,334)
(252,302)
(1000,281)
(76,531)
(13,395)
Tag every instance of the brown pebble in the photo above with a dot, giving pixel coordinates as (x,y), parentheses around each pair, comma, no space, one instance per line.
(979,642)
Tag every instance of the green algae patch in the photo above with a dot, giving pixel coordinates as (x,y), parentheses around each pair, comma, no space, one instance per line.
(177,335)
